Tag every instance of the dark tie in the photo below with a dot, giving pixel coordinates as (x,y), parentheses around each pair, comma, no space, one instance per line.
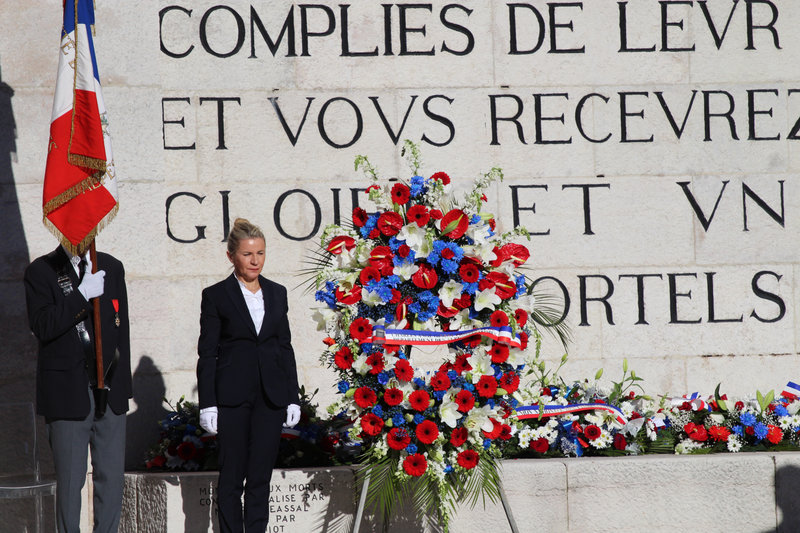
(81,269)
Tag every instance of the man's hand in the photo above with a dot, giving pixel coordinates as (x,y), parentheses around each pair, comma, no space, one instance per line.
(292,416)
(92,285)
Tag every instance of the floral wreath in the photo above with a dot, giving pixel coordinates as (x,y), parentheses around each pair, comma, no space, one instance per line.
(426,268)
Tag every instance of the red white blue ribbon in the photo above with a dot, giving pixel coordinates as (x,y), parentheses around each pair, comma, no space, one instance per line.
(791,391)
(533,411)
(381,335)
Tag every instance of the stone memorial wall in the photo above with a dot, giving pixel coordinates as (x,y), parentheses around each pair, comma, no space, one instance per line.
(650,147)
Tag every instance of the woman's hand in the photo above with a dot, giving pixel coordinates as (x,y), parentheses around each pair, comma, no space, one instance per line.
(292,415)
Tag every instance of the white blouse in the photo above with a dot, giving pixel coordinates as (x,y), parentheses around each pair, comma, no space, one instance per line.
(255,304)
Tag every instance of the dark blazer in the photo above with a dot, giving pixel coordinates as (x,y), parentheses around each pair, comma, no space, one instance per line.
(232,357)
(62,380)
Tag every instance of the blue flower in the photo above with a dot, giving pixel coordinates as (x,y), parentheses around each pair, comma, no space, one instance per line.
(439,394)
(760,430)
(448,469)
(343,386)
(739,430)
(383,378)
(371,224)
(399,419)
(377,411)
(417,186)
(521,288)
(452,374)
(419,382)
(418,418)
(475,219)
(487,443)
(470,288)
(748,419)
(780,410)
(469,386)
(411,448)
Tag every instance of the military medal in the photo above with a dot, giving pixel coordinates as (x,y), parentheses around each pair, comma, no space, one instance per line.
(116,312)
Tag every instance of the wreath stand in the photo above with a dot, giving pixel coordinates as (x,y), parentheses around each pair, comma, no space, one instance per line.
(362,499)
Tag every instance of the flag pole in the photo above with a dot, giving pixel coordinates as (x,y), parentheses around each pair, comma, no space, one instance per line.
(98,339)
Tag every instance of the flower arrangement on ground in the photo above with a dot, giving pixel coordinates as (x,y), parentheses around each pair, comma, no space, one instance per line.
(427,268)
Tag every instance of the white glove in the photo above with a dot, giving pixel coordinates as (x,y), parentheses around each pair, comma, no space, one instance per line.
(208,419)
(292,415)
(92,285)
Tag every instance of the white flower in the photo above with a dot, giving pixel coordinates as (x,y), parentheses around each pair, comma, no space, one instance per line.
(448,411)
(449,292)
(487,299)
(327,320)
(414,236)
(360,364)
(479,233)
(479,418)
(461,321)
(371,298)
(481,365)
(734,444)
(405,270)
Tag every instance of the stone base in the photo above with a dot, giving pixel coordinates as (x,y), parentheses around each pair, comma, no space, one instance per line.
(752,492)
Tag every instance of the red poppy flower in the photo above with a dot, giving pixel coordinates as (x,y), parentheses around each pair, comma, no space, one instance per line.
(505,432)
(696,431)
(461,364)
(418,214)
(469,272)
(368,274)
(403,370)
(398,438)
(375,360)
(486,386)
(499,353)
(465,401)
(510,382)
(454,224)
(360,329)
(592,432)
(440,381)
(156,462)
(425,277)
(523,340)
(719,433)
(540,445)
(365,397)
(499,319)
(458,436)
(400,194)
(350,297)
(468,459)
(359,217)
(441,176)
(503,285)
(371,424)
(427,432)
(619,441)
(381,258)
(415,464)
(392,396)
(435,214)
(341,243)
(390,223)
(521,316)
(497,428)
(774,434)
(344,358)
(187,450)
(419,400)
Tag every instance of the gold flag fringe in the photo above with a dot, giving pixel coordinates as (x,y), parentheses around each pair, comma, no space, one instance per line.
(84,244)
(90,182)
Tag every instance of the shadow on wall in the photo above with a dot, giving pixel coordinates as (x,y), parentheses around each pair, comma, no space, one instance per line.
(19,347)
(787,488)
(142,423)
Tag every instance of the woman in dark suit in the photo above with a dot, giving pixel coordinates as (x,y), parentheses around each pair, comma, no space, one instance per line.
(247,379)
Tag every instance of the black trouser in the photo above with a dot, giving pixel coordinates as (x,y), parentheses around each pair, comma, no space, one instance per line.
(248,438)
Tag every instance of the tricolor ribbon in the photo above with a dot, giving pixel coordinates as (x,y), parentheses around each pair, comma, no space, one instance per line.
(693,399)
(381,335)
(791,391)
(533,411)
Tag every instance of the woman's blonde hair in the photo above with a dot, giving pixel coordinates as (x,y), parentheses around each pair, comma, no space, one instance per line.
(242,230)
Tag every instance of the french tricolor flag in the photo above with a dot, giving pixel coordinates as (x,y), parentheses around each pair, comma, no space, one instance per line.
(80,189)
